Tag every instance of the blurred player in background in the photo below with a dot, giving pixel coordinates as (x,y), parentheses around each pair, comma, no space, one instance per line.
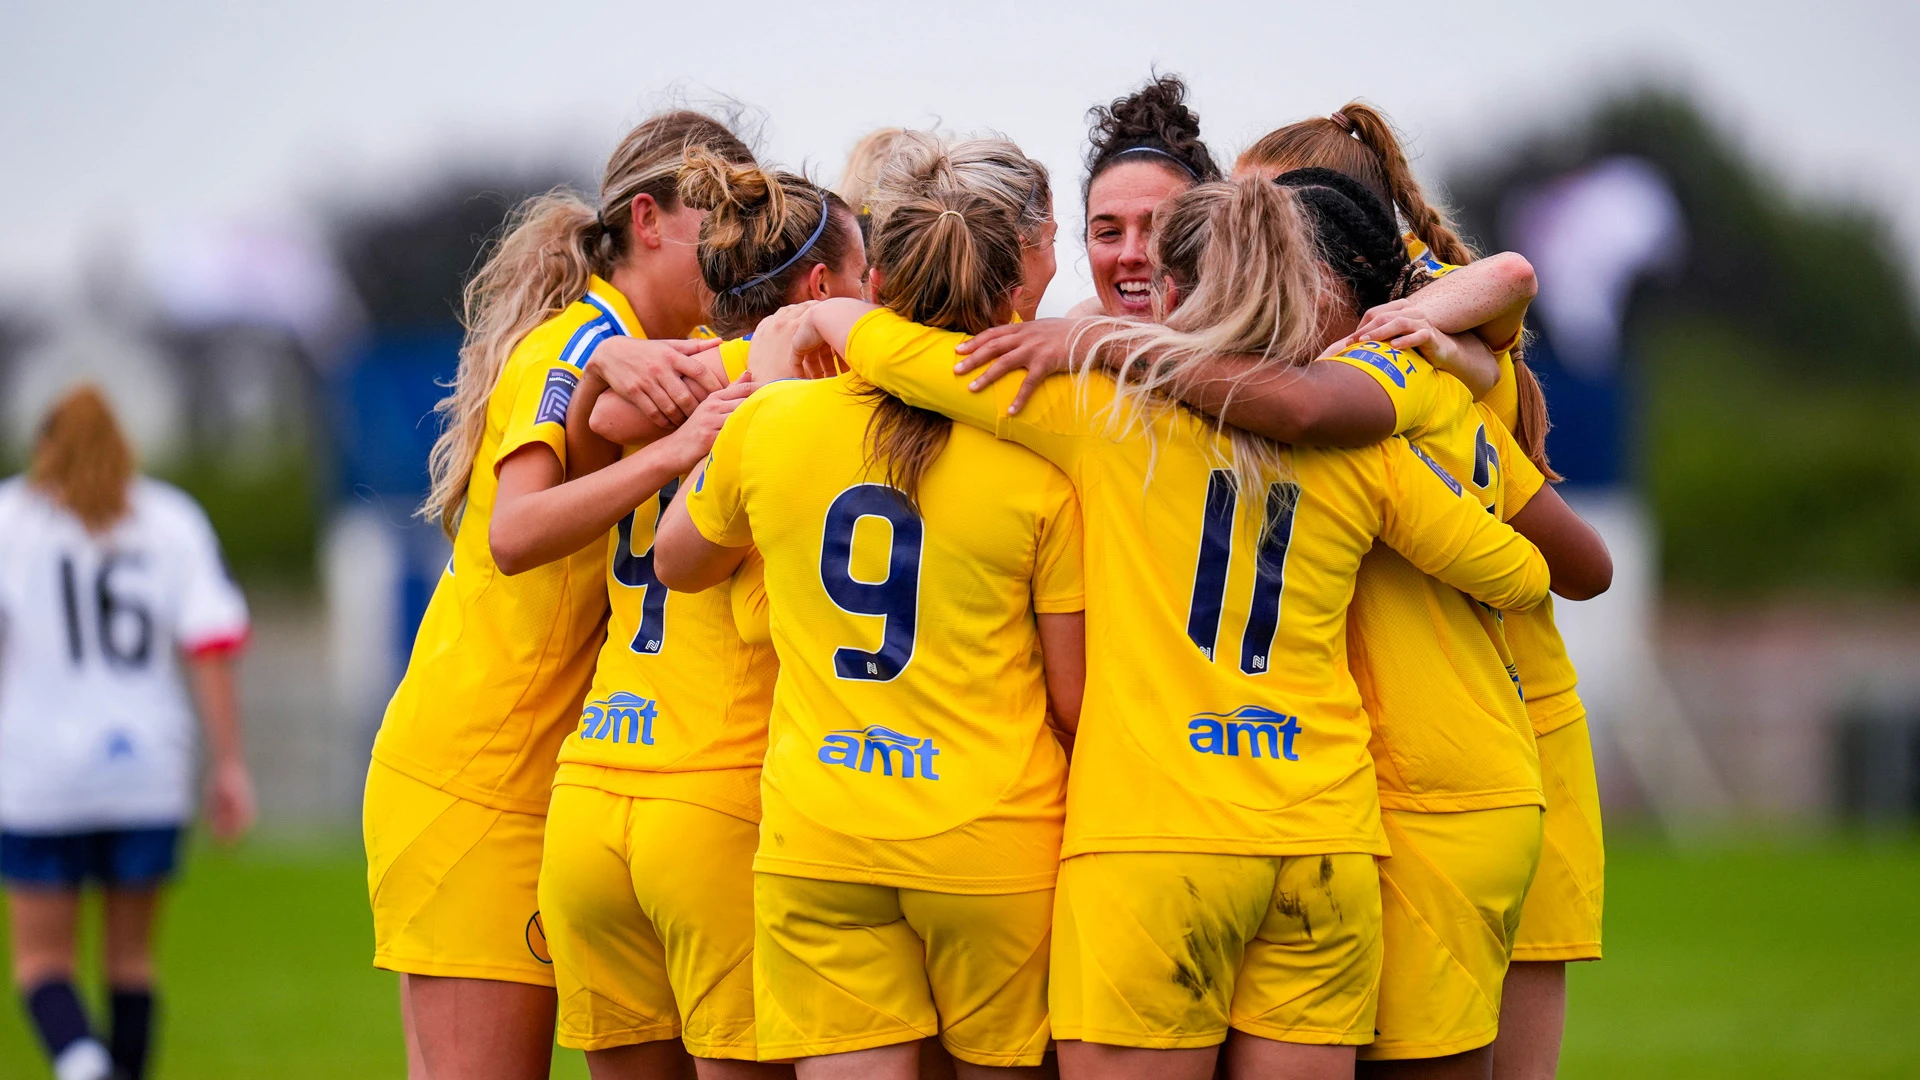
(462,772)
(110,585)
(863,171)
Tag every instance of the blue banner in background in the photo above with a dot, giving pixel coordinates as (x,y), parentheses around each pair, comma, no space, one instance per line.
(1590,440)
(383,429)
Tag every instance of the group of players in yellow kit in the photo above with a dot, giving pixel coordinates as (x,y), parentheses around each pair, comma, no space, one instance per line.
(806,695)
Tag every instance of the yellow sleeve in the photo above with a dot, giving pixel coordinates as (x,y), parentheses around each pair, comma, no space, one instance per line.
(733,357)
(543,370)
(1059,585)
(1414,385)
(539,411)
(915,364)
(718,504)
(1504,398)
(1430,519)
(1425,259)
(1520,478)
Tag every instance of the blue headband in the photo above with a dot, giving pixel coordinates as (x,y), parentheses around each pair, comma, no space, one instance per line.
(1184,167)
(825,213)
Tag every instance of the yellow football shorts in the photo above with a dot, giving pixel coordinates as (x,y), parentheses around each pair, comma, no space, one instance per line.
(1561,920)
(648,906)
(1167,949)
(840,966)
(453,883)
(1450,897)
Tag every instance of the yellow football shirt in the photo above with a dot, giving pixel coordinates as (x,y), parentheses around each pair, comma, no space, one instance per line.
(1219,715)
(680,696)
(500,663)
(909,743)
(1450,728)
(1546,671)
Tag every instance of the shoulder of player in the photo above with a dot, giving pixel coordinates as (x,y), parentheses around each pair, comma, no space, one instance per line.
(884,328)
(568,337)
(783,394)
(777,400)
(1337,472)
(158,504)
(997,468)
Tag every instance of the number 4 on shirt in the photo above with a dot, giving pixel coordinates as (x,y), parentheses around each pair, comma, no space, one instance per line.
(636,572)
(1210,574)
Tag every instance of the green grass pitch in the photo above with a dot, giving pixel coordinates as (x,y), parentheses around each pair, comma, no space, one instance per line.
(1744,958)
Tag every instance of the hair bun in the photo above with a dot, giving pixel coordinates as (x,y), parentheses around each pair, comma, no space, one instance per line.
(1155,117)
(710,182)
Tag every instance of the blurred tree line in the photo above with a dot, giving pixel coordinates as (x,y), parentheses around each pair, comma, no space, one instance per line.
(1777,373)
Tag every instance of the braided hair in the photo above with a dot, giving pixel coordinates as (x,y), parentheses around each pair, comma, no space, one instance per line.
(1358,236)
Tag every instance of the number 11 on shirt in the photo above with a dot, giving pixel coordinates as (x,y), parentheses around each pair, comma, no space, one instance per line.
(1210,572)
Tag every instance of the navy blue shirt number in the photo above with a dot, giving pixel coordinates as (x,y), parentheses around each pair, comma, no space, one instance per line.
(896,598)
(636,572)
(1210,570)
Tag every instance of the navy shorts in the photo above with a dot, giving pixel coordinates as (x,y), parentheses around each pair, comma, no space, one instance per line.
(116,858)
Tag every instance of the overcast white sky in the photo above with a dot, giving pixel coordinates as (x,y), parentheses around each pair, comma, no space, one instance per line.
(120,119)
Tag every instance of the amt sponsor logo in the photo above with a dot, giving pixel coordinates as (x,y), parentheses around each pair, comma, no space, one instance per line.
(860,748)
(621,712)
(1263,730)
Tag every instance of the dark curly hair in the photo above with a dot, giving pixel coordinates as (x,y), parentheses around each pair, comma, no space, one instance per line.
(1152,123)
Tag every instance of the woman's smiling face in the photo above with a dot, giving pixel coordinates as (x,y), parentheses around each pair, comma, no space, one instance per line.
(1120,207)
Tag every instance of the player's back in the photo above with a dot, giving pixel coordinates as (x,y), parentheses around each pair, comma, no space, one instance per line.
(96,729)
(911,702)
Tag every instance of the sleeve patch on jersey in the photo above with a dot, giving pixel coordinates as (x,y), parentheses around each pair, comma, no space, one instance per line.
(1368,356)
(556,397)
(1452,484)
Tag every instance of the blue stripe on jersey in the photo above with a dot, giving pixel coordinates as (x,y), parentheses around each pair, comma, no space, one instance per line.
(556,397)
(1438,469)
(579,347)
(1367,356)
(606,310)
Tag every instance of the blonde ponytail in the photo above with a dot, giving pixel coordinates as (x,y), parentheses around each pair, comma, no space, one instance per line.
(535,270)
(946,244)
(987,167)
(551,246)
